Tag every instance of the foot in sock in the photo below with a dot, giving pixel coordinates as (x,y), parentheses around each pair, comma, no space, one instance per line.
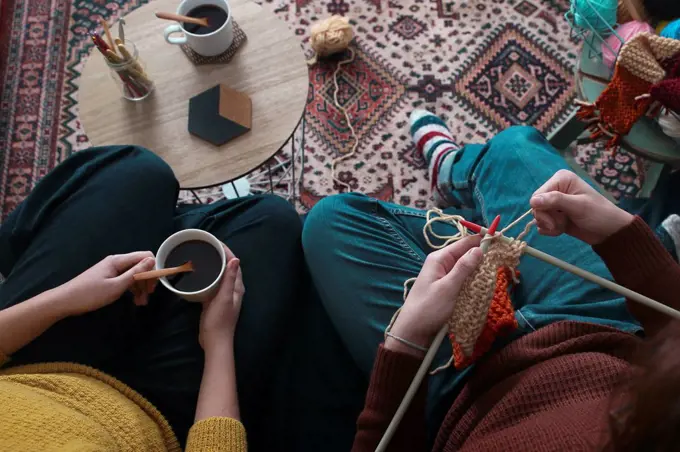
(434,140)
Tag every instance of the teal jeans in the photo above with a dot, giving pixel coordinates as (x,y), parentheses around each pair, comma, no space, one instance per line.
(361,250)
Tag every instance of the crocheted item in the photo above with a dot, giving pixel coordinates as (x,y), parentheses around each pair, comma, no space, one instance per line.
(224,57)
(640,65)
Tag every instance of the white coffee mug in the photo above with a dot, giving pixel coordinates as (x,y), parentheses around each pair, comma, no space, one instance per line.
(184,236)
(210,44)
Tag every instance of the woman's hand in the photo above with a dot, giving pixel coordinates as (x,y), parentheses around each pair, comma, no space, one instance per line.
(566,204)
(431,300)
(106,281)
(220,315)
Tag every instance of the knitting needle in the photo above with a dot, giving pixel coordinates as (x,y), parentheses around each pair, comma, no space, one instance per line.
(99,42)
(107,31)
(121,30)
(153,274)
(412,390)
(607,284)
(427,362)
(492,231)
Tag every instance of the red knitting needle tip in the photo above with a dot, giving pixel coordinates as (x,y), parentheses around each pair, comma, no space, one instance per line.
(471,226)
(494,225)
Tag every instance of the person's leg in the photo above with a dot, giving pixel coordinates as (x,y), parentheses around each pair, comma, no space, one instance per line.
(360,251)
(98,202)
(264,233)
(498,179)
(319,391)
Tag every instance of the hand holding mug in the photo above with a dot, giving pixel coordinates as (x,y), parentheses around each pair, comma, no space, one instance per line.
(220,314)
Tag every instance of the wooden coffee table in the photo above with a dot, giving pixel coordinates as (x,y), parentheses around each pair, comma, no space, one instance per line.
(270,67)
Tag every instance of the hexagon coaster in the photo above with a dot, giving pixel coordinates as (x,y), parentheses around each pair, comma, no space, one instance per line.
(220,114)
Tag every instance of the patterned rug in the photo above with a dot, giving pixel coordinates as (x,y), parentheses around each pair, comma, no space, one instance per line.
(483,65)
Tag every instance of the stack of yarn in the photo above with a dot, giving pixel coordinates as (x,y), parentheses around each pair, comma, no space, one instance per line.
(624,33)
(599,19)
(671,30)
(669,119)
(594,15)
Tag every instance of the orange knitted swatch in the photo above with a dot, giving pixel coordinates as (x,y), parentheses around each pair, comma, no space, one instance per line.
(500,321)
(617,106)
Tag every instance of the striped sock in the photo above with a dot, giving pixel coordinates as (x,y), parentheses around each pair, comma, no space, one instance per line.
(435,141)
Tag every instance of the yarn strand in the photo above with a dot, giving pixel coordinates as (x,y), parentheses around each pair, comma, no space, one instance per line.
(353,151)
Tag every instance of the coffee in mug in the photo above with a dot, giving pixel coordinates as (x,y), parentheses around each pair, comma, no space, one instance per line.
(216,18)
(207,41)
(207,257)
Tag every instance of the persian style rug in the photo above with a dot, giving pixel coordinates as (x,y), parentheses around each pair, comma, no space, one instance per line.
(482,65)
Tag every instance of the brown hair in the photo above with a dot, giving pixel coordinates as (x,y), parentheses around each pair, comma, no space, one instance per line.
(645,413)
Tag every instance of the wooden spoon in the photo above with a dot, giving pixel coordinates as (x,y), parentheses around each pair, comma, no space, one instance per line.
(203,21)
(188,267)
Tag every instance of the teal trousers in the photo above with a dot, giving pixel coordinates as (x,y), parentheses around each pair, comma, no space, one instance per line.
(360,251)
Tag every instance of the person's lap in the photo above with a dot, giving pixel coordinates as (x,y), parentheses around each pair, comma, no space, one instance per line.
(112,201)
(360,251)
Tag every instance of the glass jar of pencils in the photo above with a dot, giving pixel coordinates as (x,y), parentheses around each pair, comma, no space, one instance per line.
(127,70)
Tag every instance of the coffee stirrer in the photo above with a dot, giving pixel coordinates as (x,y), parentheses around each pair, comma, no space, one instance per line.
(545,257)
(203,21)
(153,274)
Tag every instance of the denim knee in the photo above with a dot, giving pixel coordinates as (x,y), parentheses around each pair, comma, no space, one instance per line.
(318,227)
(517,136)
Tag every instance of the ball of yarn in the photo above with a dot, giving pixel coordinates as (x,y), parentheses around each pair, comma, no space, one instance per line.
(331,35)
(612,45)
(672,30)
(597,15)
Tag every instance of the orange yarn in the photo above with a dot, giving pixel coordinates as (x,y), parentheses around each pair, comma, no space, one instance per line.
(500,321)
(642,62)
(618,107)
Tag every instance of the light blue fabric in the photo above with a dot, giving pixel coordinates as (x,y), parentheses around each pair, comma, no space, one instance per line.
(360,251)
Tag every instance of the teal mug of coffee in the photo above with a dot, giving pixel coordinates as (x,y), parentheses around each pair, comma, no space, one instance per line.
(207,41)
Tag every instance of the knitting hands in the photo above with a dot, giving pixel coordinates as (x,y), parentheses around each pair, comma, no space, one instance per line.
(431,300)
(220,315)
(566,204)
(105,282)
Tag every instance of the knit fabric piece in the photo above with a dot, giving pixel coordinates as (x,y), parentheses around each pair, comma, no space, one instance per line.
(66,406)
(667,92)
(639,66)
(473,313)
(500,321)
(217,434)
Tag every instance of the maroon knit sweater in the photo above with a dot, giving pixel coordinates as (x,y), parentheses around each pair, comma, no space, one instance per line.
(549,390)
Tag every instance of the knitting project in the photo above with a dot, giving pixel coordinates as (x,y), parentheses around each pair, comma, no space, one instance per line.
(483,310)
(627,98)
(667,92)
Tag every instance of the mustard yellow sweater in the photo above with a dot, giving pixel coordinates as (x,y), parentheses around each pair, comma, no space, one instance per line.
(70,407)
